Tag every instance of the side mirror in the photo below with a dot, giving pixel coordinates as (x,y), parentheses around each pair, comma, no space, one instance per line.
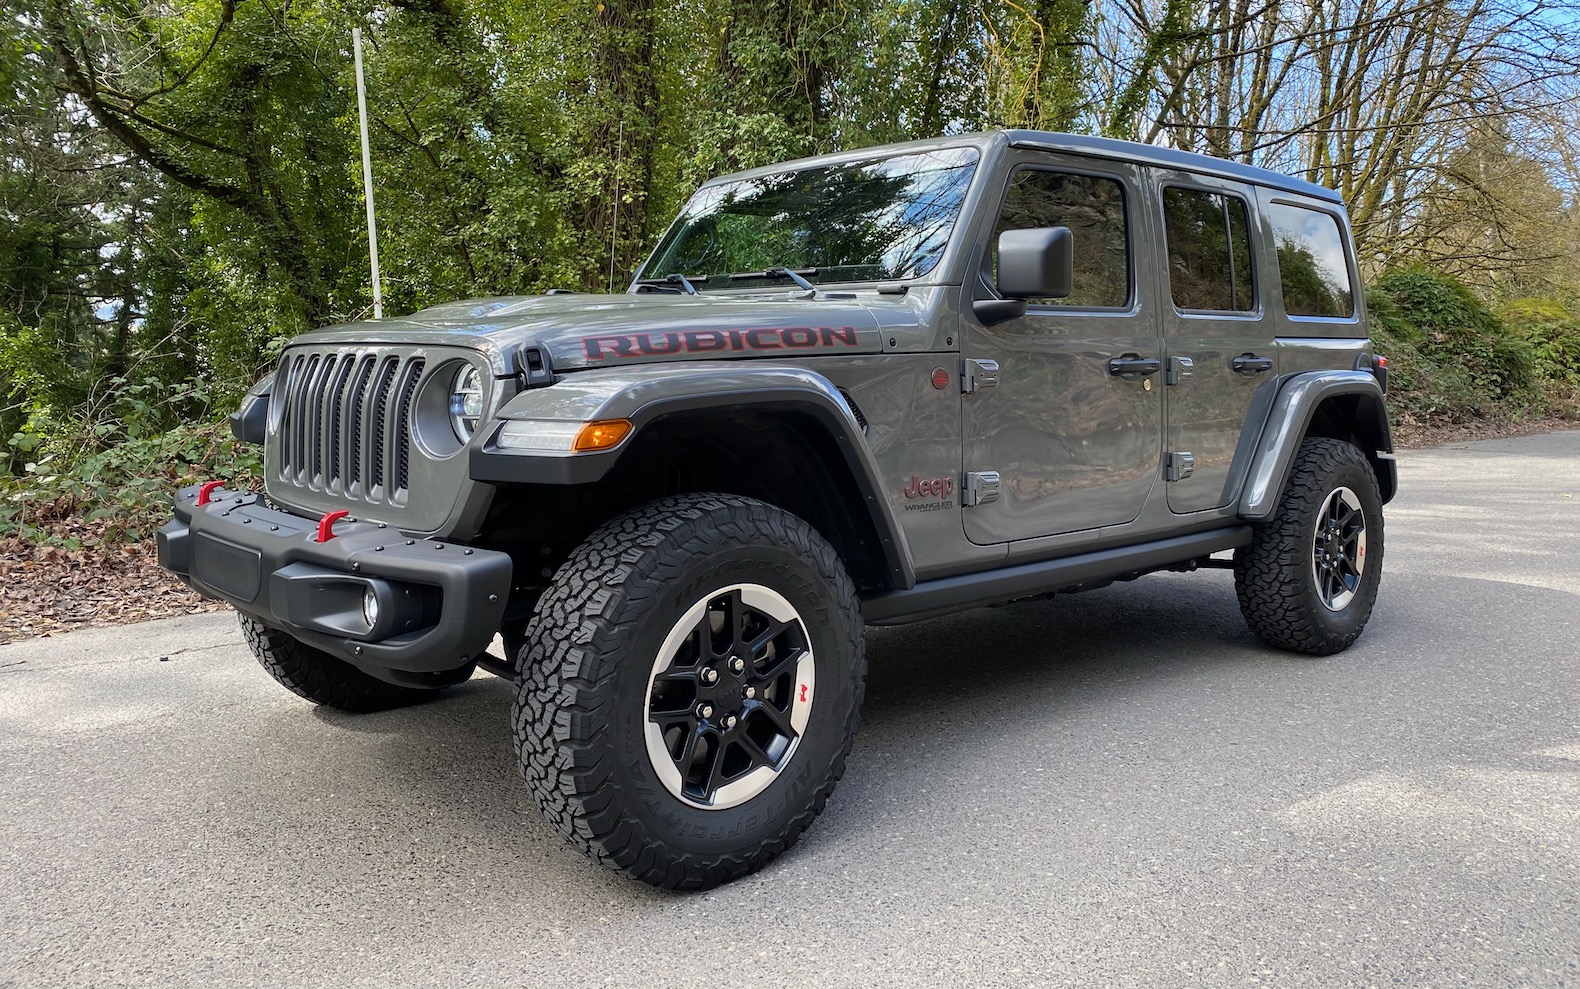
(1036,264)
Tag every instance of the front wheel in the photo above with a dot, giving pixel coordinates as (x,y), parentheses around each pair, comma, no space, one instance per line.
(690,689)
(317,676)
(1309,578)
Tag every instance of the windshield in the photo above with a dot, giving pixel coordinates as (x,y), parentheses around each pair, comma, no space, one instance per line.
(862,221)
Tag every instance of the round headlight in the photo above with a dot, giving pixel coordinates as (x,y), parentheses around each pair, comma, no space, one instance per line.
(370,607)
(466,402)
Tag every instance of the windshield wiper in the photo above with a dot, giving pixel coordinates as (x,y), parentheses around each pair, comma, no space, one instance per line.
(776,273)
(676,278)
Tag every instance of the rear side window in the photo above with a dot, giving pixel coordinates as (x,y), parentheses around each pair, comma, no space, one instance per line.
(1311,265)
(1093,207)
(1209,251)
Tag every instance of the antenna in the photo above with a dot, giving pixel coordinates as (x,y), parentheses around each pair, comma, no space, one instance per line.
(367,176)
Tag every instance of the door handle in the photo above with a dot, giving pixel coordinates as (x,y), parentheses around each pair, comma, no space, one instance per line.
(1250,364)
(1133,366)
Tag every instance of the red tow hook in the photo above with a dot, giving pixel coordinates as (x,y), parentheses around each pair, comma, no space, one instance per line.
(208,489)
(326,525)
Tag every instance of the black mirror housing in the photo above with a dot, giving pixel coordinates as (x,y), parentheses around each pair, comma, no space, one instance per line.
(1036,264)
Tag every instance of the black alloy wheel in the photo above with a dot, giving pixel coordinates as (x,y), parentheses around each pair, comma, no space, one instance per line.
(1338,557)
(730,696)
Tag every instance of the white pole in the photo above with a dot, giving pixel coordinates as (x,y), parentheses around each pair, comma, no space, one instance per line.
(367,176)
(614,221)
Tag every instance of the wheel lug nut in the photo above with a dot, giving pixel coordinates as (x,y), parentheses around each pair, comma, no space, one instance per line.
(710,675)
(729,722)
(750,692)
(737,664)
(704,710)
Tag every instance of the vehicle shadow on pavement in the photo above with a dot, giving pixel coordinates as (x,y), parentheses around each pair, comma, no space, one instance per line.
(1152,685)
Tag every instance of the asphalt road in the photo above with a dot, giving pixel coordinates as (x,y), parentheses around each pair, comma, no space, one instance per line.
(1116,789)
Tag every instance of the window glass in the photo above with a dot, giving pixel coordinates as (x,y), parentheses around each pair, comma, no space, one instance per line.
(1209,251)
(1240,253)
(1311,264)
(860,221)
(1093,208)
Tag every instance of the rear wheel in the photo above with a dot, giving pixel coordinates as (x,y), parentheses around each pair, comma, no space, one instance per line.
(690,689)
(321,678)
(1309,579)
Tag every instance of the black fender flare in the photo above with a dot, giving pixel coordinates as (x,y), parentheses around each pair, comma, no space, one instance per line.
(1290,420)
(647,394)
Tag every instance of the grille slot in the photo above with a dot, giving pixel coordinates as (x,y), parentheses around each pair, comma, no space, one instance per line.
(346,419)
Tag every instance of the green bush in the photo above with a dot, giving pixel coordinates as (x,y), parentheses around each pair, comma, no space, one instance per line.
(120,492)
(1553,333)
(1448,325)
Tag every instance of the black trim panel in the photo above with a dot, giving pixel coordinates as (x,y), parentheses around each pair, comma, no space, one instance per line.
(932,598)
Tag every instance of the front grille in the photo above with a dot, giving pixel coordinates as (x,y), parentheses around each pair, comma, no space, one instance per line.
(345,419)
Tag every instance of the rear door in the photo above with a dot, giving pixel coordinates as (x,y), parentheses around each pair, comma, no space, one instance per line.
(1218,342)
(1074,445)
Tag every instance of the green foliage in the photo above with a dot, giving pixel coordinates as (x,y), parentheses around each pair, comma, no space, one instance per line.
(121,492)
(182,184)
(1553,333)
(1465,356)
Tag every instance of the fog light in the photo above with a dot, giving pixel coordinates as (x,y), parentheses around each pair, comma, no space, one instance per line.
(370,607)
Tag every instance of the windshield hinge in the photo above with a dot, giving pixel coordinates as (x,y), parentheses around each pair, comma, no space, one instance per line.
(976,375)
(980,488)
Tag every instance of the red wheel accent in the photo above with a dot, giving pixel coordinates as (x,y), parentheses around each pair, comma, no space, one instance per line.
(326,525)
(207,489)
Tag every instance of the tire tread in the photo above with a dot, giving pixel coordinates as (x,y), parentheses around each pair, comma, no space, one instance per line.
(1269,576)
(576,644)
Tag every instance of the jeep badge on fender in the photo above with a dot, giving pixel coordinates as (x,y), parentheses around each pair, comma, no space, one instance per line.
(861,389)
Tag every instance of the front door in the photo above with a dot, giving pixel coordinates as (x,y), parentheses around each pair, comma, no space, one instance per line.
(1072,431)
(1218,342)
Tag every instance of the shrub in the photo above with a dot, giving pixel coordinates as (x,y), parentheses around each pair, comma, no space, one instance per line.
(1553,334)
(120,493)
(1451,327)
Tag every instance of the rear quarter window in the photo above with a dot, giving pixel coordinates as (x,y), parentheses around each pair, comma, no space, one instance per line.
(1312,267)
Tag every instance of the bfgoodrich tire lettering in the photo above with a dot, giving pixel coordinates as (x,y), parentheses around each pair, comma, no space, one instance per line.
(582,707)
(1309,578)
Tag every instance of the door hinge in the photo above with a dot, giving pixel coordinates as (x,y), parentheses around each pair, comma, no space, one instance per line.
(1179,466)
(1180,369)
(976,375)
(980,487)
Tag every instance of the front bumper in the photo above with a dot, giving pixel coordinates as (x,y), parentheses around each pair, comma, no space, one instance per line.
(439,604)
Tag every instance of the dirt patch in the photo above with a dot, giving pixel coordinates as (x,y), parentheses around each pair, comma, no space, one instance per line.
(45,590)
(1410,435)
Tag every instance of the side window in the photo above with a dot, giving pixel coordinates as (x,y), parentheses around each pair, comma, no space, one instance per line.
(1311,264)
(1093,207)
(1209,246)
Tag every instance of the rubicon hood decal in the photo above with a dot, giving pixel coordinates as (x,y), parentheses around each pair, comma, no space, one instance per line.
(607,330)
(693,342)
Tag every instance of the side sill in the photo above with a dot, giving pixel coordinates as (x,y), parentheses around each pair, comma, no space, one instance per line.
(932,598)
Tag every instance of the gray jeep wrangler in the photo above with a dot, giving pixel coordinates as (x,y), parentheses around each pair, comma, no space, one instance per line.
(862,389)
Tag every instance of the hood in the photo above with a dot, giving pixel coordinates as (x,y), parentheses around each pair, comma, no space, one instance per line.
(582,331)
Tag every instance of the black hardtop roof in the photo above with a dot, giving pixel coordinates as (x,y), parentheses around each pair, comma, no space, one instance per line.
(1101,147)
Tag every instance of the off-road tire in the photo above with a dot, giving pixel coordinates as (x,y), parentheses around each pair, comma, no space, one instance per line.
(1273,576)
(582,703)
(321,678)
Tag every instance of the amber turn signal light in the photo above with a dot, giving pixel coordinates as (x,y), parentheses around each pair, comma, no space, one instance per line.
(601,435)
